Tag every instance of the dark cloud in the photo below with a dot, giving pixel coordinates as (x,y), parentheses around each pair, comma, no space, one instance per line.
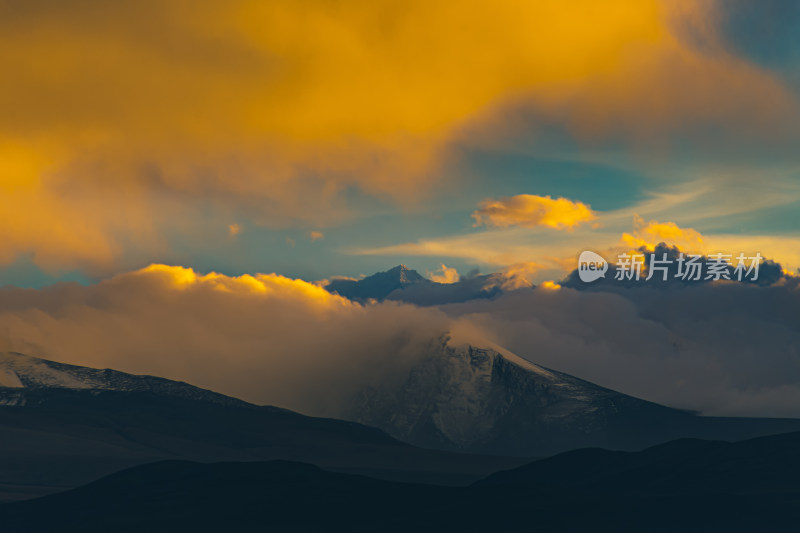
(730,349)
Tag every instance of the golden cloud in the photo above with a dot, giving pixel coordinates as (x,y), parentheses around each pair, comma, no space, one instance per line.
(530,211)
(518,275)
(262,337)
(549,285)
(448,275)
(119,117)
(649,234)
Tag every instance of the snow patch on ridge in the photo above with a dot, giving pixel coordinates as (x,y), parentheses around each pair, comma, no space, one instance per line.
(9,378)
(524,363)
(18,371)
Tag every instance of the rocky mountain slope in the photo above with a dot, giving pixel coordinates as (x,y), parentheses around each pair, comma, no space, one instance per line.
(21,376)
(484,401)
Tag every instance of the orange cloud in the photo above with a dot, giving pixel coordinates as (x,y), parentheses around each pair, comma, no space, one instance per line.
(120,116)
(517,276)
(316,235)
(263,337)
(649,234)
(529,210)
(549,285)
(448,275)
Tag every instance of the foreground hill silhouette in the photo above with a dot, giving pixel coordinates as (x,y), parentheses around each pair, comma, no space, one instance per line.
(685,485)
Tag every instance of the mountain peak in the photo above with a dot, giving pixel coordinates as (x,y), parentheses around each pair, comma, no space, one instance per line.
(404,274)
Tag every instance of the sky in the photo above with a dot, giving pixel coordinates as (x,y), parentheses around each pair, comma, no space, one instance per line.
(315,139)
(177,179)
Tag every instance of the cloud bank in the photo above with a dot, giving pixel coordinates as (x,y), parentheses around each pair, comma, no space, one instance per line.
(264,338)
(720,348)
(724,349)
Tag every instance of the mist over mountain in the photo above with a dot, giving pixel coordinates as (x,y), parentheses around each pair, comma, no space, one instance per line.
(485,401)
(456,397)
(721,349)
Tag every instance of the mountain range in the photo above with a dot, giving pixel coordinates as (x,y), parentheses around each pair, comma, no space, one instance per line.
(65,425)
(100,450)
(406,285)
(460,414)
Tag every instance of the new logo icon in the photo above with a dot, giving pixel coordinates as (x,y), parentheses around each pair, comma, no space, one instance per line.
(591,266)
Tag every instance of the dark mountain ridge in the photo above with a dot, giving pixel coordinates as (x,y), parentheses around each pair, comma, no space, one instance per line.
(686,485)
(64,425)
(403,284)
